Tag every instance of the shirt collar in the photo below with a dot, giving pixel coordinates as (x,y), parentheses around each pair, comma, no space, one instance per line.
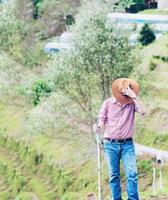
(114,101)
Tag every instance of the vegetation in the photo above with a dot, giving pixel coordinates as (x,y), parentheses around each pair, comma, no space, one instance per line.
(126,3)
(155,65)
(100,53)
(40,89)
(56,16)
(46,150)
(147,35)
(154,11)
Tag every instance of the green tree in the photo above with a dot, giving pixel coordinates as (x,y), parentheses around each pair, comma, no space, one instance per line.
(9,26)
(36,4)
(126,3)
(100,54)
(56,15)
(139,1)
(18,35)
(147,35)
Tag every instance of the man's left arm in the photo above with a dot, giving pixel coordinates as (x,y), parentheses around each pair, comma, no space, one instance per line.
(139,105)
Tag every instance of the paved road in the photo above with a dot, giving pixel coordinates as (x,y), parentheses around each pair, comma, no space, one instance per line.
(160,154)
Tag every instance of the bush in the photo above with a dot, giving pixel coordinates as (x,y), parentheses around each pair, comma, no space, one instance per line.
(144,165)
(40,89)
(147,35)
(162,58)
(153,64)
(10,27)
(136,7)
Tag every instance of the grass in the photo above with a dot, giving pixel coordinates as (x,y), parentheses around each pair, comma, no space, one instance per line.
(33,182)
(154,11)
(76,154)
(11,117)
(69,185)
(152,129)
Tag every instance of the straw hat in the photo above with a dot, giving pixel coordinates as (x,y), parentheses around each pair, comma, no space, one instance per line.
(123,83)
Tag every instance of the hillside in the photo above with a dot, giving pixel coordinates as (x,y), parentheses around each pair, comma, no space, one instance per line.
(74,154)
(153,129)
(47,151)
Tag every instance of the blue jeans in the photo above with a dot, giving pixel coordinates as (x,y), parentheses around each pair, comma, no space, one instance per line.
(115,151)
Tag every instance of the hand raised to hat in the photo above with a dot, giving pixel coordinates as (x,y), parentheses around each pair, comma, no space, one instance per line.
(129,92)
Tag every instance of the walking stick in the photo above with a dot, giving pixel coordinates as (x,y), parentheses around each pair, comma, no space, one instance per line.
(92,196)
(99,146)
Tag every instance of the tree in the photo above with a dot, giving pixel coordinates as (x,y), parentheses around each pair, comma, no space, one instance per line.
(9,26)
(126,3)
(36,4)
(100,54)
(17,32)
(147,35)
(55,15)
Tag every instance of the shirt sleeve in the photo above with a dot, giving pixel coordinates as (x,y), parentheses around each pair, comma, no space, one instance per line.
(136,108)
(102,117)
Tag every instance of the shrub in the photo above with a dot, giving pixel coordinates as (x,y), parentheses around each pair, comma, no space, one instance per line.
(39,89)
(162,58)
(152,66)
(134,8)
(147,35)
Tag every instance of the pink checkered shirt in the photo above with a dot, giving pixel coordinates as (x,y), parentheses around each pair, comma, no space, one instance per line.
(118,119)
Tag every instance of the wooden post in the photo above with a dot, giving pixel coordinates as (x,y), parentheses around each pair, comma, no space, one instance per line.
(157,166)
(160,181)
(154,181)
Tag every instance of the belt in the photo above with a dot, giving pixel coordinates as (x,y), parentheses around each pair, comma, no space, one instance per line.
(118,140)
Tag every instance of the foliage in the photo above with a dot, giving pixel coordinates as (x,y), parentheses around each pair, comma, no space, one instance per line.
(70,196)
(126,3)
(17,33)
(155,62)
(100,54)
(9,26)
(131,5)
(147,35)
(13,176)
(40,89)
(162,58)
(138,1)
(36,4)
(55,16)
(28,156)
(153,65)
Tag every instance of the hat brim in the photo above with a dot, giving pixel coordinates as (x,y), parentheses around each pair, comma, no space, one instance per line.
(123,83)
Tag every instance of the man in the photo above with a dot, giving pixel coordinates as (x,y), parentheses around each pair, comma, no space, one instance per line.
(117,115)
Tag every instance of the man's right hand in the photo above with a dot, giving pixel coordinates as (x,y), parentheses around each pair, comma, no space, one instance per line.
(96,128)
